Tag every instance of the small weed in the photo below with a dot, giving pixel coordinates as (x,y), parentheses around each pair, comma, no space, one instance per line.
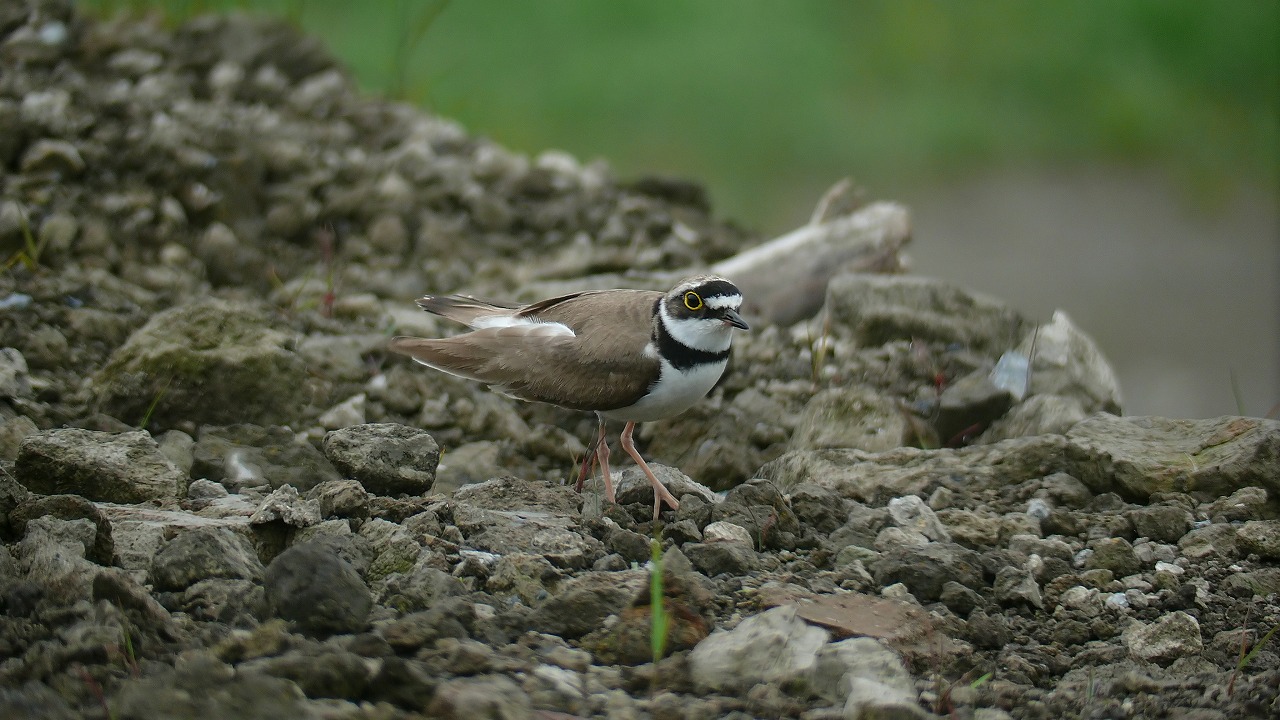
(658,626)
(1247,654)
(982,680)
(155,402)
(29,255)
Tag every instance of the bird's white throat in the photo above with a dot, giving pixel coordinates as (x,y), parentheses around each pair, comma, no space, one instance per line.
(705,334)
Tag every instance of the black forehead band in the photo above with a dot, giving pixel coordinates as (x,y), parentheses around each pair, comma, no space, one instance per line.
(717,288)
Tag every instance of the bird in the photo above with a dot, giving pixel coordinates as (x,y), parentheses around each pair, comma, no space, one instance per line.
(630,355)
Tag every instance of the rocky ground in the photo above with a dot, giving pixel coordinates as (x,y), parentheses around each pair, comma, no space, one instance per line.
(220,496)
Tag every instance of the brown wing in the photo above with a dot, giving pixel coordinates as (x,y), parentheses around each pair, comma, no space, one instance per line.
(602,366)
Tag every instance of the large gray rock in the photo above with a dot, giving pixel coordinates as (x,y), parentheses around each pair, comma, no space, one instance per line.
(774,647)
(386,458)
(309,585)
(877,309)
(1138,456)
(204,553)
(108,467)
(211,362)
(878,477)
(850,417)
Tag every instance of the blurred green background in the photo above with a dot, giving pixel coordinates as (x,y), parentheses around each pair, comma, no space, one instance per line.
(1115,158)
(769,102)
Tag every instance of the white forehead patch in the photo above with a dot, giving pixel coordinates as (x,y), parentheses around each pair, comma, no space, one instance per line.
(720,302)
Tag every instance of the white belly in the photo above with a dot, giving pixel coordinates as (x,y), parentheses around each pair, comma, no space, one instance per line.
(674,393)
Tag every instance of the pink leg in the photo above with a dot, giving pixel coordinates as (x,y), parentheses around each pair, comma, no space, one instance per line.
(660,493)
(602,454)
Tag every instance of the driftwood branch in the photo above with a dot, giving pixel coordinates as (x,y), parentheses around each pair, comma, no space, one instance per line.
(785,280)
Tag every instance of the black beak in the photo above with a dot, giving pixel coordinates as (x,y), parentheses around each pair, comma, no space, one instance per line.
(732,317)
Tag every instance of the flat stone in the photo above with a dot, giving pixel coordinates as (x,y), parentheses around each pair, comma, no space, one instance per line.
(108,467)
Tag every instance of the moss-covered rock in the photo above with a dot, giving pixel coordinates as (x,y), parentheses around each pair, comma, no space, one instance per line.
(211,362)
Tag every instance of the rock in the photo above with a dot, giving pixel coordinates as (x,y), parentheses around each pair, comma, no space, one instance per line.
(418,588)
(326,673)
(786,292)
(347,413)
(341,498)
(1037,415)
(818,507)
(1173,636)
(924,570)
(485,696)
(393,549)
(875,478)
(524,576)
(102,548)
(284,506)
(12,432)
(969,406)
(107,467)
(632,487)
(581,605)
(201,687)
(1116,555)
(387,459)
(721,531)
(1065,362)
(240,456)
(203,553)
(35,700)
(206,363)
(1160,523)
(535,523)
(774,647)
(234,602)
(1248,503)
(878,309)
(959,599)
(317,590)
(452,617)
(1016,586)
(716,558)
(1261,537)
(850,417)
(1139,456)
(14,379)
(53,552)
(911,513)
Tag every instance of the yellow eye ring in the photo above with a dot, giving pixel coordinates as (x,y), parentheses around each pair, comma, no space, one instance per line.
(692,301)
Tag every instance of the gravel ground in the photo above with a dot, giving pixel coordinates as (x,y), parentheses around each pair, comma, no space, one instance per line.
(221,497)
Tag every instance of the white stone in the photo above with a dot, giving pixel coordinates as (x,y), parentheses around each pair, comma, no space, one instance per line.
(774,647)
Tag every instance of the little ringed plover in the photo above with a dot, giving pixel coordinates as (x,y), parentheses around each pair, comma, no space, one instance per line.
(630,355)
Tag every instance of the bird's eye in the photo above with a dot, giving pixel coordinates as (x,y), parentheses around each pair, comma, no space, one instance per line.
(692,301)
